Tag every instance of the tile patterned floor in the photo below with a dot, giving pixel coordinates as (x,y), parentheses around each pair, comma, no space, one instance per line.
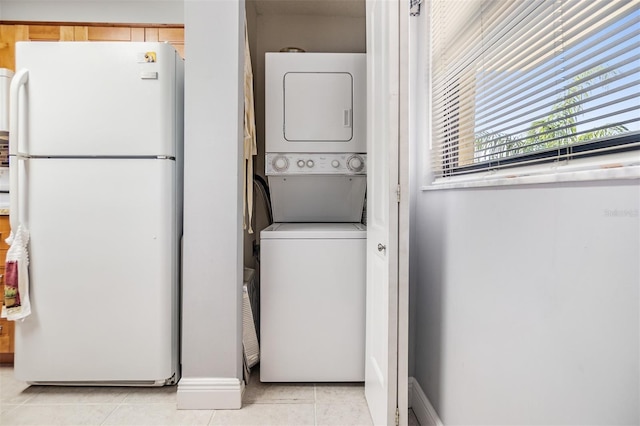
(263,404)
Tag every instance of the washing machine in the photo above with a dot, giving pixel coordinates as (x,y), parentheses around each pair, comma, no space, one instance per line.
(312,303)
(313,258)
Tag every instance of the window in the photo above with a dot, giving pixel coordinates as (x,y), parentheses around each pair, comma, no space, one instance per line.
(523,82)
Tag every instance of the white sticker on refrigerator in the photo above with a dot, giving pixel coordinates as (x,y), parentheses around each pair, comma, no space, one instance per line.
(149,75)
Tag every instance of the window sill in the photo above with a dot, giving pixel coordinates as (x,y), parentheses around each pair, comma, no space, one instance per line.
(613,167)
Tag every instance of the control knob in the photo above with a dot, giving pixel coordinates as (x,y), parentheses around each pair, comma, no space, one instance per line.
(355,163)
(335,164)
(280,163)
(300,163)
(310,163)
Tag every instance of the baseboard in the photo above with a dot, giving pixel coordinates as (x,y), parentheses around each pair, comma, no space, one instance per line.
(421,406)
(410,391)
(210,393)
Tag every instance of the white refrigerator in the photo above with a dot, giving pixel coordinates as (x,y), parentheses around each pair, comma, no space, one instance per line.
(96,178)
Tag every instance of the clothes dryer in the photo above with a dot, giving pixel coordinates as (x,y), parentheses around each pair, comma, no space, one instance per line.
(315,102)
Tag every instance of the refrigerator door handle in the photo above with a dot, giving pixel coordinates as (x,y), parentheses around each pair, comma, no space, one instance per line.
(19,79)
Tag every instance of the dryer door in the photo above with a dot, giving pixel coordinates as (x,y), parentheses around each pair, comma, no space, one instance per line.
(318,106)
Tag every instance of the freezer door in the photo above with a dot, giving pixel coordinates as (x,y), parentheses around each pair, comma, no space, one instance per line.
(98,99)
(104,271)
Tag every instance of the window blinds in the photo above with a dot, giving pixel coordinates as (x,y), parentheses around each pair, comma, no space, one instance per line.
(519,82)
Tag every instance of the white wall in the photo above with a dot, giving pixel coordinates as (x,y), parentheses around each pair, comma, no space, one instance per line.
(114,11)
(526,300)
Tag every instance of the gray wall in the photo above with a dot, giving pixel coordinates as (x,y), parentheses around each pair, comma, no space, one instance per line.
(525,298)
(114,11)
(212,256)
(527,304)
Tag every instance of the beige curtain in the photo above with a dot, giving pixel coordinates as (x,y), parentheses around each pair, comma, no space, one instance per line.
(250,148)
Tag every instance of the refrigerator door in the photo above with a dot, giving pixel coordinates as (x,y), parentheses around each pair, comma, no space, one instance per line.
(98,99)
(103,271)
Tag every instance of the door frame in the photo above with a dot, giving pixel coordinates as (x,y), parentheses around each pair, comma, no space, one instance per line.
(403,215)
(402,203)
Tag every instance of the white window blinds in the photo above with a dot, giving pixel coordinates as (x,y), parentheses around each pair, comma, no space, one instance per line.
(519,82)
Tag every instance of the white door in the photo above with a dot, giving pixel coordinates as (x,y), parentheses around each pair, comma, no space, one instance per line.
(381,362)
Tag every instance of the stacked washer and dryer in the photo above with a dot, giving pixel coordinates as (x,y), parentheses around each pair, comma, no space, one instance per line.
(313,257)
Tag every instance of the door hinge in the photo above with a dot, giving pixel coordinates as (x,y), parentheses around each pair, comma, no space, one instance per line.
(397,416)
(398,193)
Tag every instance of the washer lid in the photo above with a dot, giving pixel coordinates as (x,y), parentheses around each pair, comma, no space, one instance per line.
(314,231)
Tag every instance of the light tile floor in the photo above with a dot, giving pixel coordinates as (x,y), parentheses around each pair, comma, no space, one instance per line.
(263,404)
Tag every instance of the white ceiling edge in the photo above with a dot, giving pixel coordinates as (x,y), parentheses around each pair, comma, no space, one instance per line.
(344,8)
(160,11)
(112,11)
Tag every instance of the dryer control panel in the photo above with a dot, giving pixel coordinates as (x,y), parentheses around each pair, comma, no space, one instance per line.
(315,164)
